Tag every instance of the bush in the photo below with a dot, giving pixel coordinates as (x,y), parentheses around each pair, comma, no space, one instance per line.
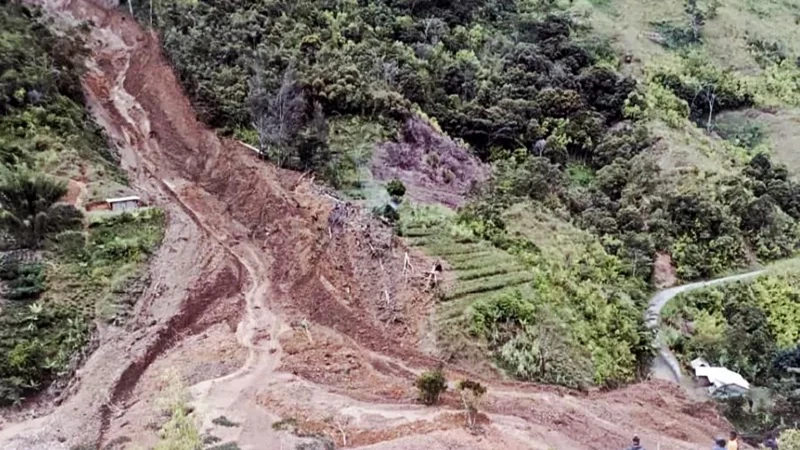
(180,431)
(36,344)
(675,35)
(742,132)
(655,101)
(396,188)
(29,210)
(779,84)
(225,446)
(707,88)
(431,385)
(790,440)
(767,53)
(388,212)
(25,281)
(544,352)
(224,422)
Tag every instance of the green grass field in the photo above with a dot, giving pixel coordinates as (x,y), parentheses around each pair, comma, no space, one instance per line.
(728,35)
(737,35)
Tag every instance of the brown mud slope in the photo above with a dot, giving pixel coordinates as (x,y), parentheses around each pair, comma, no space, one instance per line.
(273,301)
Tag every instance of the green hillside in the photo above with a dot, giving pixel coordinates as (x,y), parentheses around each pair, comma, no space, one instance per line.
(582,140)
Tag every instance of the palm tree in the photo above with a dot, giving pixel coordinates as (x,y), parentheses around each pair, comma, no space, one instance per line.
(28,207)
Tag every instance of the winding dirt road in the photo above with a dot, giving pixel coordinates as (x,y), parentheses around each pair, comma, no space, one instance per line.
(274,302)
(665,365)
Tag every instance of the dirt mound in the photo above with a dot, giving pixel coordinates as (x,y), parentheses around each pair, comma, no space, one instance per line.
(664,273)
(279,304)
(434,168)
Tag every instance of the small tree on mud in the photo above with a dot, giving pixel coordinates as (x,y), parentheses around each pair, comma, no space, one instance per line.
(431,385)
(472,393)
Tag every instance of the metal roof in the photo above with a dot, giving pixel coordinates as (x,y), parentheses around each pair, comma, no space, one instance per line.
(123,199)
(721,377)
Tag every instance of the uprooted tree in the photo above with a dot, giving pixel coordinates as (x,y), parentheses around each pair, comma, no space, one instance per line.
(472,393)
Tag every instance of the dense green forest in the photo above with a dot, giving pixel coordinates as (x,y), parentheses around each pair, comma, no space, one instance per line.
(61,270)
(574,128)
(523,84)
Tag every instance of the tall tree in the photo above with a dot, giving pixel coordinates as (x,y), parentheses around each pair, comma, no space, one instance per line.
(28,208)
(279,116)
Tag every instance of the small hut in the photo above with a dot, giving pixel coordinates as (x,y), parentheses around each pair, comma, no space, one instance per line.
(123,203)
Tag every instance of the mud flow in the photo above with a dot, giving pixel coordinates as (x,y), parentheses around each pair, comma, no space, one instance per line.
(284,310)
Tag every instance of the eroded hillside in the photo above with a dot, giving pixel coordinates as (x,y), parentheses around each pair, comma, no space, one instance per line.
(291,317)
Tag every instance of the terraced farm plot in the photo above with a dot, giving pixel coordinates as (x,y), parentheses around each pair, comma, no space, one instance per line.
(477,269)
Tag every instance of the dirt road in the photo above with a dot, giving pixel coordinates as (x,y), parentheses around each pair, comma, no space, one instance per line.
(666,366)
(276,303)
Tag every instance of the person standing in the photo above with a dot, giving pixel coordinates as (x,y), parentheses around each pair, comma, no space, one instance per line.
(733,442)
(636,445)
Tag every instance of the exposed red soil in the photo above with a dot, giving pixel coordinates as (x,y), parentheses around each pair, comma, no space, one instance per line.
(97,206)
(338,430)
(433,167)
(330,359)
(74,189)
(664,273)
(304,285)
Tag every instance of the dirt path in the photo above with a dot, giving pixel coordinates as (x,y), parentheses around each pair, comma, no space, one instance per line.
(665,365)
(250,252)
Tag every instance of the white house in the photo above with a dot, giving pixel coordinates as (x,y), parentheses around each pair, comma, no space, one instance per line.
(719,379)
(123,203)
